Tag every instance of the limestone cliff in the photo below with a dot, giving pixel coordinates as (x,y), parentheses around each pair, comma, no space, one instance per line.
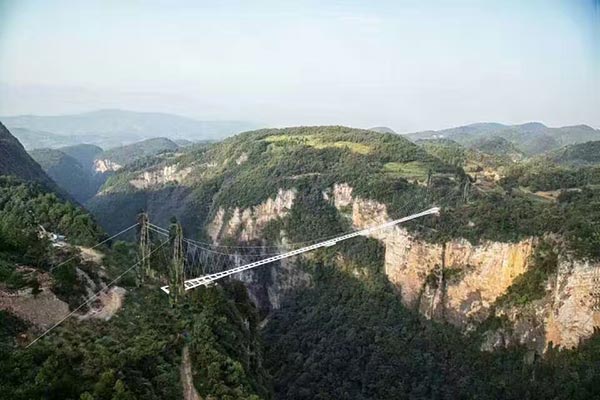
(267,287)
(160,176)
(103,166)
(459,282)
(247,224)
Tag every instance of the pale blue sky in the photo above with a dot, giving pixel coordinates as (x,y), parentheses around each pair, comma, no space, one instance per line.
(410,65)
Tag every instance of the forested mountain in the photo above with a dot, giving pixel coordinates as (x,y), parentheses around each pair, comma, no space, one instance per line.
(81,170)
(581,154)
(85,154)
(14,160)
(530,138)
(251,167)
(498,146)
(68,173)
(382,129)
(488,300)
(272,187)
(95,354)
(113,128)
(127,154)
(34,139)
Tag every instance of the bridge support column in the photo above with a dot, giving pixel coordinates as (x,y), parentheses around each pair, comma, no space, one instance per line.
(144,269)
(176,276)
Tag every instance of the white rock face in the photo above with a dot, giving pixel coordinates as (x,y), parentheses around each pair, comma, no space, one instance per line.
(573,313)
(342,195)
(247,224)
(242,159)
(102,166)
(156,177)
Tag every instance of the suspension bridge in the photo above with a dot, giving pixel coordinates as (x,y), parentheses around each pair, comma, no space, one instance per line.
(207,280)
(178,284)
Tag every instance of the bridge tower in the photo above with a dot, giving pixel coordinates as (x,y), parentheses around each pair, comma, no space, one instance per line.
(144,269)
(176,276)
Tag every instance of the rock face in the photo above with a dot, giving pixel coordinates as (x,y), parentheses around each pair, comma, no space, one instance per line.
(484,272)
(574,303)
(104,166)
(167,174)
(267,286)
(247,224)
(459,282)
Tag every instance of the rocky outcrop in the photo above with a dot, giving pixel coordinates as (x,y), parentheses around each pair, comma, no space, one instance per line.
(104,166)
(160,176)
(242,159)
(247,224)
(268,287)
(574,303)
(481,272)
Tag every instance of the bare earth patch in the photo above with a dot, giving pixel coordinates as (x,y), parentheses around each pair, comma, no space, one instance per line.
(187,379)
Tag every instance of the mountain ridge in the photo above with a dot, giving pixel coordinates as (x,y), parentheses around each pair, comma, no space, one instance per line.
(114,127)
(14,161)
(531,138)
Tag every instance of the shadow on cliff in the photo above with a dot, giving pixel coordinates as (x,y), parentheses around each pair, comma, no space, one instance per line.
(117,211)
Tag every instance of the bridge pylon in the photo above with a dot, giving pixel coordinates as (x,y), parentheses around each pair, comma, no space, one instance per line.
(144,268)
(176,276)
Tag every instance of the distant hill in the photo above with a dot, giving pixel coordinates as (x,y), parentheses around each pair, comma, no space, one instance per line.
(14,160)
(85,154)
(498,146)
(183,142)
(81,170)
(576,155)
(531,138)
(126,154)
(111,128)
(254,166)
(34,139)
(79,181)
(382,129)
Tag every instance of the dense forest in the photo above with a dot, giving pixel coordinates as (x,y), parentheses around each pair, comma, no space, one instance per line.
(136,354)
(369,346)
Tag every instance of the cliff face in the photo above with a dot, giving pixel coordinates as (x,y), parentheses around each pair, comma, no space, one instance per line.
(103,166)
(160,176)
(456,282)
(247,224)
(267,287)
(459,282)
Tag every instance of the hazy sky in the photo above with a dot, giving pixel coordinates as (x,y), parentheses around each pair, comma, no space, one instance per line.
(410,65)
